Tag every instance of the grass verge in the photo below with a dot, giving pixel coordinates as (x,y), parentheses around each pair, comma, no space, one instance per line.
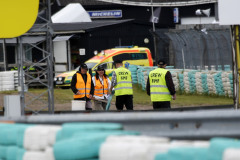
(140,97)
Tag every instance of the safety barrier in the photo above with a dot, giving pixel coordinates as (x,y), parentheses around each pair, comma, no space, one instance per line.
(105,141)
(213,82)
(8,80)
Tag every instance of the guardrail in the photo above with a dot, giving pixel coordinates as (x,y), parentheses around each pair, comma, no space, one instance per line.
(202,124)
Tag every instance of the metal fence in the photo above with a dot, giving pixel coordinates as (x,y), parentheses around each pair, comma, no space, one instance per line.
(196,49)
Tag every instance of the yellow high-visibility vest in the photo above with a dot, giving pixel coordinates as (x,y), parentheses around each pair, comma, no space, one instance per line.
(158,87)
(100,89)
(124,82)
(83,88)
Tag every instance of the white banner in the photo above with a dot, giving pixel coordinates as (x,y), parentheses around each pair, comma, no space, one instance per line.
(229,13)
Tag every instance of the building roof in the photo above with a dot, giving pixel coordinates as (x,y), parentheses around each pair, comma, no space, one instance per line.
(138,2)
(31,40)
(81,27)
(82,2)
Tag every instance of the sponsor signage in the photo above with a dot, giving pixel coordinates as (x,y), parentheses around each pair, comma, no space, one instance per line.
(106,14)
(176,15)
(82,52)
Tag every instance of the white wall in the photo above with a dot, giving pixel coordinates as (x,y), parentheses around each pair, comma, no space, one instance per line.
(228,11)
(60,51)
(197,20)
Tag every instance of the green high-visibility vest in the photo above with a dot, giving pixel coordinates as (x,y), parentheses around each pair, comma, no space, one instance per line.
(32,69)
(158,87)
(124,82)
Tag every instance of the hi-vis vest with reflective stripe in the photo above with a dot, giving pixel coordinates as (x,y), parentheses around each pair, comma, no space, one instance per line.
(83,88)
(158,88)
(99,88)
(124,82)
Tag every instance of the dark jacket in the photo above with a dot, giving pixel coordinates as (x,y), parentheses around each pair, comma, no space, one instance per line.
(169,82)
(74,89)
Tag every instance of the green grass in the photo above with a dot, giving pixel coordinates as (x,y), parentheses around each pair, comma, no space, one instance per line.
(183,100)
(140,97)
(63,95)
(200,100)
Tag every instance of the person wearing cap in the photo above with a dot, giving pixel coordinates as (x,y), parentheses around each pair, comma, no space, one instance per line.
(160,86)
(101,87)
(82,86)
(122,83)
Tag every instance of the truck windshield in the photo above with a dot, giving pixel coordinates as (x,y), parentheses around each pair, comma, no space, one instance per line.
(90,65)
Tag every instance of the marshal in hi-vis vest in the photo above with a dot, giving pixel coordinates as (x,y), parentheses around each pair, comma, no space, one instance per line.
(124,82)
(83,88)
(100,89)
(158,87)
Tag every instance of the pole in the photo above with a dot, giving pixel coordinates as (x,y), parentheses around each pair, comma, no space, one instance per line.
(50,62)
(21,76)
(5,55)
(236,27)
(183,58)
(154,35)
(152,16)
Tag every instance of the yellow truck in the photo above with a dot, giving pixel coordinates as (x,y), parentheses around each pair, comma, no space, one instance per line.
(130,55)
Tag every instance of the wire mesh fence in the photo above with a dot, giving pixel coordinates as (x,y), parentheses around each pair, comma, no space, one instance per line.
(196,49)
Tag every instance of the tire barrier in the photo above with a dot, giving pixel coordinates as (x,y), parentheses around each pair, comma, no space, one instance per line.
(8,80)
(105,141)
(133,69)
(192,81)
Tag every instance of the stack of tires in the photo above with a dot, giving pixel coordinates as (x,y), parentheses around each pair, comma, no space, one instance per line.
(38,142)
(181,82)
(142,75)
(105,141)
(199,86)
(175,77)
(7,80)
(186,82)
(194,81)
(133,69)
(218,149)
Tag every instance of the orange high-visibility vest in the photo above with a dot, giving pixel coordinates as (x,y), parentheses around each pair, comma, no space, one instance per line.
(83,88)
(99,88)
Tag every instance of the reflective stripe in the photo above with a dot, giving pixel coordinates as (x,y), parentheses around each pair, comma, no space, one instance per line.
(101,89)
(83,88)
(161,86)
(160,93)
(123,88)
(124,82)
(82,94)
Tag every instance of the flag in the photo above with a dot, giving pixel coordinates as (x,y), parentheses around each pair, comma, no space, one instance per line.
(156,14)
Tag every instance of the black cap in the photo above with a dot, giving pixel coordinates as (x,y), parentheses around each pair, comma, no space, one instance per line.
(83,66)
(161,62)
(100,68)
(117,61)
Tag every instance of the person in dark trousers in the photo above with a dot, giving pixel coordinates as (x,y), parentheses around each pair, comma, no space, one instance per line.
(122,83)
(160,86)
(82,86)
